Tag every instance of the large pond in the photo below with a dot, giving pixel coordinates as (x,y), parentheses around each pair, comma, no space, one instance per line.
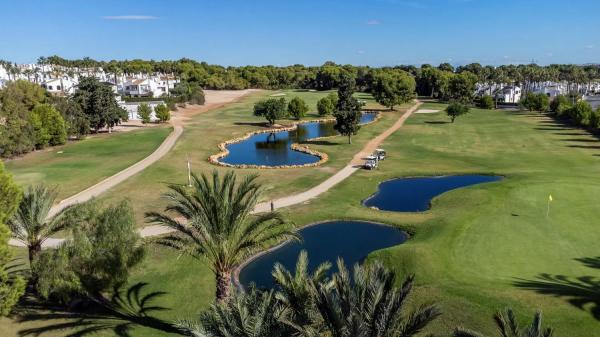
(274,149)
(350,240)
(415,194)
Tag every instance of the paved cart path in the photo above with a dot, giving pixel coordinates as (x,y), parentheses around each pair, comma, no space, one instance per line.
(214,99)
(354,165)
(155,230)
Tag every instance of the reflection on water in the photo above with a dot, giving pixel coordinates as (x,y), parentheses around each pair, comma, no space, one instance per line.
(273,149)
(350,240)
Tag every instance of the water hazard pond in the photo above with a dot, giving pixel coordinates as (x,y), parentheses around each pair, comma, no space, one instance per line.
(274,149)
(350,240)
(415,194)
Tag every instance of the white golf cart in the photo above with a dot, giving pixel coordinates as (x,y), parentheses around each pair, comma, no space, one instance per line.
(371,163)
(380,154)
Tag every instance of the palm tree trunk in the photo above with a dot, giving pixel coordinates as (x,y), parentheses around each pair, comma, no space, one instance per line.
(34,251)
(223,285)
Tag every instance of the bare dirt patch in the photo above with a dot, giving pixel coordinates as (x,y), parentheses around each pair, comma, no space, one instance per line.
(427,111)
(214,99)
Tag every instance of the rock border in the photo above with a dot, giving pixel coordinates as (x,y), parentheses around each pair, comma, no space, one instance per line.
(323,157)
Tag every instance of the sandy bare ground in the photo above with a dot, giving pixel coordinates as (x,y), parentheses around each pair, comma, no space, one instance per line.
(427,111)
(214,99)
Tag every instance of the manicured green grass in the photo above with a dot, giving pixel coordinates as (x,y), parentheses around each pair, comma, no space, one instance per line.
(476,245)
(190,284)
(78,165)
(201,137)
(470,251)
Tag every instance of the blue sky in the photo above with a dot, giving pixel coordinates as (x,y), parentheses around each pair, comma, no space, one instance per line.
(310,32)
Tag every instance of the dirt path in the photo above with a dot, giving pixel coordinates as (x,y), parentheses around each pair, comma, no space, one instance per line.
(214,99)
(121,176)
(354,165)
(374,143)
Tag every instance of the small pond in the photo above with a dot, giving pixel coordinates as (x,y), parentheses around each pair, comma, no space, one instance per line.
(274,149)
(415,194)
(350,240)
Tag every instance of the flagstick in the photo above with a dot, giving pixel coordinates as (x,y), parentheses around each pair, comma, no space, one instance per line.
(548,210)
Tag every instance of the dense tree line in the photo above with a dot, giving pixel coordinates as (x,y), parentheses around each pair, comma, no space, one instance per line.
(568,108)
(27,121)
(430,80)
(30,118)
(579,113)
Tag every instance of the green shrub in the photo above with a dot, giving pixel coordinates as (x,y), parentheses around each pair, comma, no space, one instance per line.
(486,102)
(271,109)
(49,126)
(188,92)
(559,105)
(162,113)
(144,111)
(104,247)
(538,102)
(326,105)
(595,119)
(456,109)
(297,107)
(580,113)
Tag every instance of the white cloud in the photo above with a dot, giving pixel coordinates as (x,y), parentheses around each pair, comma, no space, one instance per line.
(130,17)
(360,52)
(373,22)
(590,46)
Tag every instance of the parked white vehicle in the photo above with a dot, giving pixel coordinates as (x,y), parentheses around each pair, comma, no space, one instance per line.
(380,154)
(371,163)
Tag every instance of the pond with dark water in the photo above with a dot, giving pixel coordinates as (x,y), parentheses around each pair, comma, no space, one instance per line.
(415,194)
(350,240)
(274,149)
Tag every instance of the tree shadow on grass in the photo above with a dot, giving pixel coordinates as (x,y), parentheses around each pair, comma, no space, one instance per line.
(262,124)
(571,134)
(590,147)
(319,142)
(523,113)
(583,292)
(554,128)
(437,122)
(580,140)
(126,310)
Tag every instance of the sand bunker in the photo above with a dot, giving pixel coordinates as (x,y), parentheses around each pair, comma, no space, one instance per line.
(427,111)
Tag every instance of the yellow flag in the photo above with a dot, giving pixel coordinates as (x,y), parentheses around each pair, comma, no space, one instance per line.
(550,197)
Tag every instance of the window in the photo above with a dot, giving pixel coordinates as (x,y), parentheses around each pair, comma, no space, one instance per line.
(49,87)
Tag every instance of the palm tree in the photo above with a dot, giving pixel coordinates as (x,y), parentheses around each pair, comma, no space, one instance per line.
(250,314)
(294,293)
(509,327)
(218,225)
(31,224)
(369,305)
